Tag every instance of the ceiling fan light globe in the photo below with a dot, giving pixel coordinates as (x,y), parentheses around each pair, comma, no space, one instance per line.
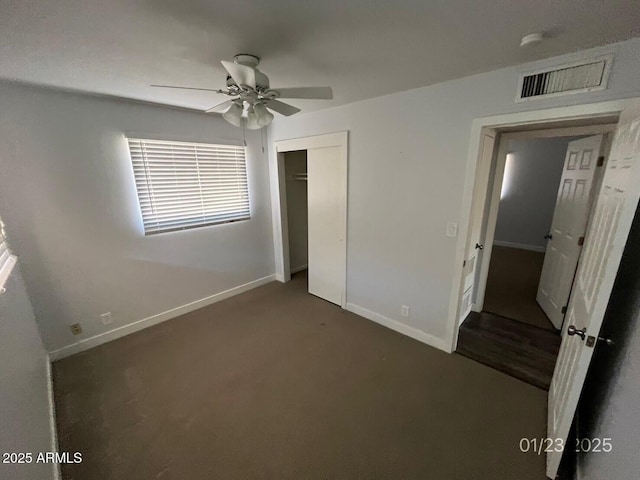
(233,115)
(252,121)
(266,120)
(264,116)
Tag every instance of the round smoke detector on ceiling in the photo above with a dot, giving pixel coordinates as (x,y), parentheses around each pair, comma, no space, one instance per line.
(531,39)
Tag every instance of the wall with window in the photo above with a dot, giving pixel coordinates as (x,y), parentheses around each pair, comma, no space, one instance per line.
(69,200)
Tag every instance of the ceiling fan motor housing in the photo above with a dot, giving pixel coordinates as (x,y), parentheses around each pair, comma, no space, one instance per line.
(262,81)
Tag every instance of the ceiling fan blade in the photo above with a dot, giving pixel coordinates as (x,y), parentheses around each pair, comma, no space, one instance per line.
(189,88)
(282,108)
(241,74)
(221,107)
(319,93)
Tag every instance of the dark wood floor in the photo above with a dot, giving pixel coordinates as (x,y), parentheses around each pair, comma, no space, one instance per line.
(518,349)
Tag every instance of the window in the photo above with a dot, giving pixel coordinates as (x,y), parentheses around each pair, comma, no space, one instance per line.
(185,185)
(6,259)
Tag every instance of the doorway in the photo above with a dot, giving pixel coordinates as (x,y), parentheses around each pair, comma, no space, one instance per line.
(320,162)
(295,167)
(613,209)
(541,187)
(545,201)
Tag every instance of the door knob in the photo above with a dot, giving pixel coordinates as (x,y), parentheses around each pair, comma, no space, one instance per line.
(582,333)
(479,246)
(548,236)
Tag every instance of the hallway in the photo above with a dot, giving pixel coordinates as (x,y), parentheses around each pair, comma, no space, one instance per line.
(512,285)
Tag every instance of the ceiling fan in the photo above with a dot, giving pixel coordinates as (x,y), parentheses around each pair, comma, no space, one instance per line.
(253,97)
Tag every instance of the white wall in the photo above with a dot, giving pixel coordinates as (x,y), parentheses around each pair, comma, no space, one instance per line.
(407,157)
(530,186)
(297,211)
(24,384)
(69,202)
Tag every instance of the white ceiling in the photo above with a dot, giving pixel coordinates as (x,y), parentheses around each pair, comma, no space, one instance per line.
(362,48)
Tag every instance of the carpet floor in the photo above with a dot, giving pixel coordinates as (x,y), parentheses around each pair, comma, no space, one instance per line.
(277,384)
(512,286)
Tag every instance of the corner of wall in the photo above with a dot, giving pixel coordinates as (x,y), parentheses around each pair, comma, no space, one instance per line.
(399,327)
(133,327)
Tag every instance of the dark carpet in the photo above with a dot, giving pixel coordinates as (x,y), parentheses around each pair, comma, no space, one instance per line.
(278,384)
(512,286)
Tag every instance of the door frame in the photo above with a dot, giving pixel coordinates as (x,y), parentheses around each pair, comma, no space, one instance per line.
(279,200)
(553,118)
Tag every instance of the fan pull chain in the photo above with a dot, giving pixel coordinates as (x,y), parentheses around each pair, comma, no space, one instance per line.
(244,133)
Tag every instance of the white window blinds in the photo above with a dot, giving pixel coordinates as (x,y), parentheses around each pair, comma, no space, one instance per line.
(6,259)
(185,185)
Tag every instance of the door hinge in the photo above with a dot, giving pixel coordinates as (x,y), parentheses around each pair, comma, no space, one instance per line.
(600,161)
(564,309)
(581,241)
(464,263)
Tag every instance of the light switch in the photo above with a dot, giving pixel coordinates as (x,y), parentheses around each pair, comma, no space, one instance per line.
(452,229)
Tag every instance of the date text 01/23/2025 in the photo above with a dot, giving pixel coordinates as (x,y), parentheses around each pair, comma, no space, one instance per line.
(547,445)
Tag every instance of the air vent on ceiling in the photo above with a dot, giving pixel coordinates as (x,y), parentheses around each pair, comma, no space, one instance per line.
(576,77)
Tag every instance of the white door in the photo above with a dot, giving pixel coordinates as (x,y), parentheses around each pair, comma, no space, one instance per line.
(474,240)
(326,190)
(614,209)
(568,227)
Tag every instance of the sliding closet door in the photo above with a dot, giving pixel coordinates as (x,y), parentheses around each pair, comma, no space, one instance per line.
(326,168)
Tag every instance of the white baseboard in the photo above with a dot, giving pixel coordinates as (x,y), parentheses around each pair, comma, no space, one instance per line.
(299,268)
(124,330)
(53,427)
(399,327)
(522,246)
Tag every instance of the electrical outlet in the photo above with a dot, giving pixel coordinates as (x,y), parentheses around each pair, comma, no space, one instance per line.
(76,329)
(404,311)
(106,318)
